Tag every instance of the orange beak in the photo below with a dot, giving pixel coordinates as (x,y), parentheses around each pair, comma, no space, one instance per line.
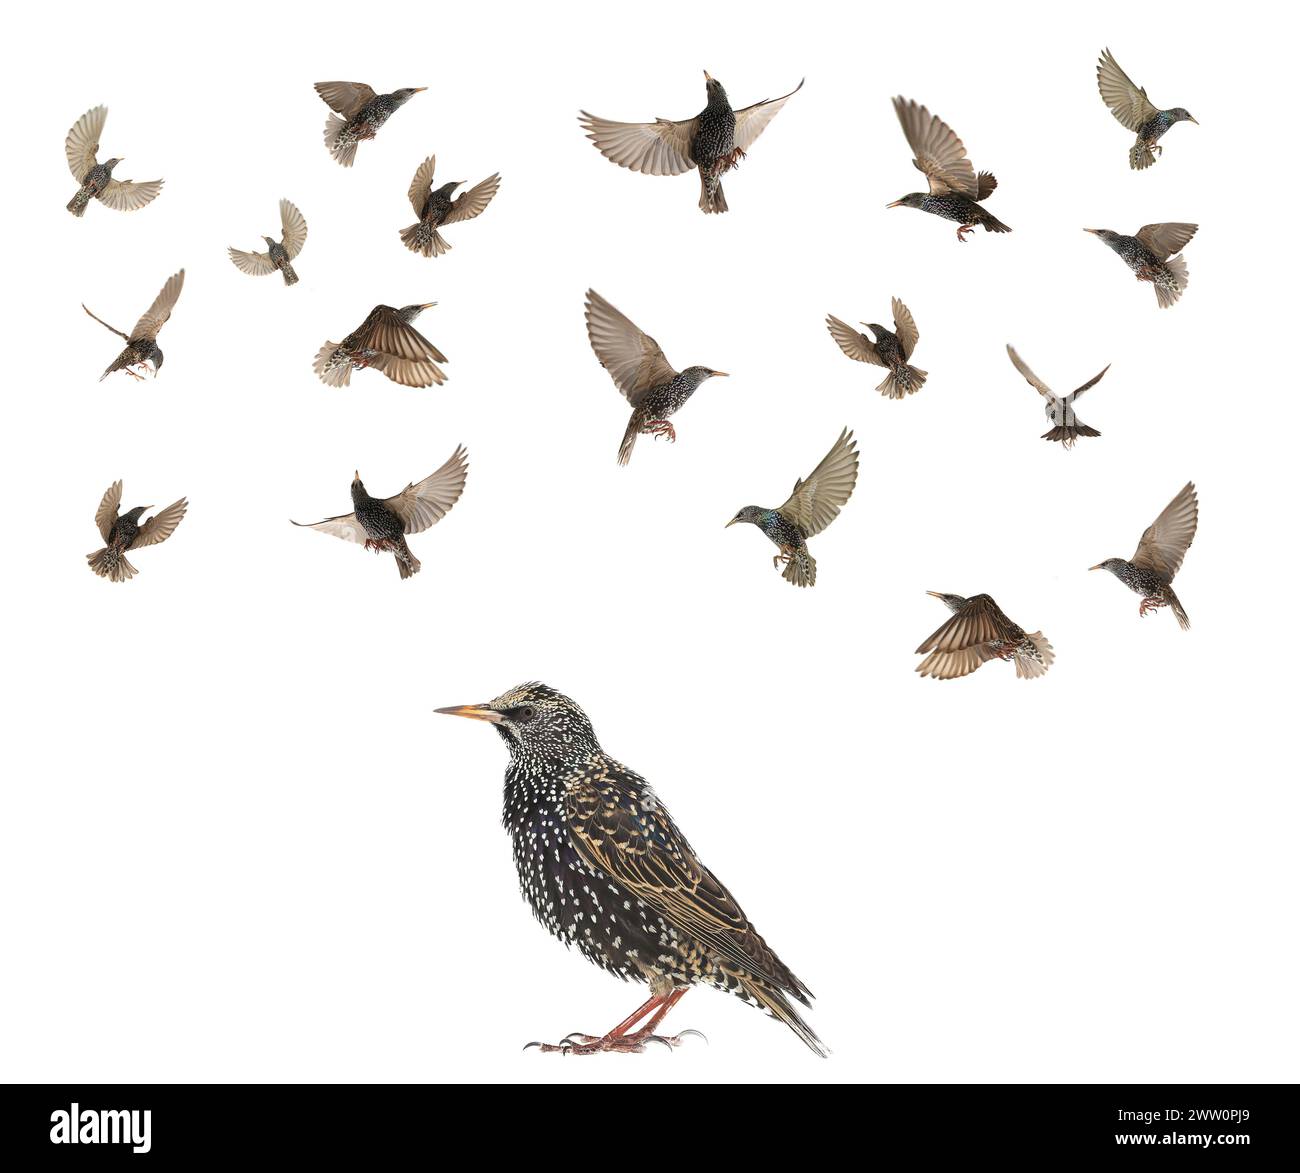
(476,712)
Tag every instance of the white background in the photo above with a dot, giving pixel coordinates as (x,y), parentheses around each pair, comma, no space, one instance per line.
(236,843)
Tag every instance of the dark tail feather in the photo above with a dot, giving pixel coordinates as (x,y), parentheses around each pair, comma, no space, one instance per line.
(1177,608)
(108,564)
(893,388)
(425,239)
(629,438)
(713,201)
(1141,156)
(1068,434)
(77,205)
(993,224)
(801,569)
(407,563)
(778,1006)
(290,277)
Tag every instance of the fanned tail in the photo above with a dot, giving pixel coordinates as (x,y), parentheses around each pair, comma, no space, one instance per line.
(345,153)
(111,565)
(1166,295)
(801,570)
(1141,156)
(407,563)
(711,199)
(895,388)
(1067,434)
(425,239)
(1027,668)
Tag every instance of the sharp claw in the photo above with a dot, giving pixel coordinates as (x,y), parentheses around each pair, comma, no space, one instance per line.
(659,1039)
(534,1043)
(698,1034)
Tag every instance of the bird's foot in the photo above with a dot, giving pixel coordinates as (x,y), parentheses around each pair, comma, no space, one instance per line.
(379,545)
(727,162)
(1150,604)
(777,559)
(633,1043)
(659,428)
(133,375)
(963,231)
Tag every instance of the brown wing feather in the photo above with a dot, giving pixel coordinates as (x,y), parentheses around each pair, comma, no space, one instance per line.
(654,148)
(161,525)
(428,501)
(752,120)
(817,500)
(469,204)
(1128,102)
(1165,239)
(345,97)
(1167,538)
(634,360)
(155,317)
(937,152)
(106,514)
(980,621)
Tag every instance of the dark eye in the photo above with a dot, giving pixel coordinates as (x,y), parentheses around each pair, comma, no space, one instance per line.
(525,713)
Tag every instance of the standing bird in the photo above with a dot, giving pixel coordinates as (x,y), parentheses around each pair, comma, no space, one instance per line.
(639,369)
(605,869)
(1130,105)
(979,631)
(812,506)
(1148,255)
(1150,572)
(293,230)
(141,345)
(714,141)
(386,341)
(891,350)
(362,112)
(436,207)
(1066,426)
(382,524)
(125,533)
(955,190)
(96,179)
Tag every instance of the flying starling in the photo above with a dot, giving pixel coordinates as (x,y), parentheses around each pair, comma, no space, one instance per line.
(714,141)
(1129,104)
(605,869)
(293,230)
(141,344)
(1150,572)
(123,533)
(1066,426)
(96,179)
(955,190)
(639,369)
(435,207)
(382,524)
(1148,255)
(978,632)
(362,112)
(813,505)
(890,350)
(386,341)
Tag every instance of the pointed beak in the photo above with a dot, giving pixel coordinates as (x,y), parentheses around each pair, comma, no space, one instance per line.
(895,204)
(1099,566)
(356,475)
(731,523)
(476,712)
(1094,231)
(1191,119)
(418,89)
(935,594)
(708,76)
(720,374)
(428,305)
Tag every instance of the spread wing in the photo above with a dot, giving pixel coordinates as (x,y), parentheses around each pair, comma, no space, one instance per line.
(853,342)
(1127,102)
(654,148)
(385,331)
(952,665)
(345,97)
(155,317)
(980,621)
(82,144)
(254,264)
(904,327)
(633,359)
(817,500)
(618,826)
(293,228)
(1166,540)
(470,203)
(418,192)
(422,504)
(937,152)
(753,120)
(1090,383)
(986,183)
(161,525)
(1165,239)
(126,195)
(408,372)
(345,526)
(1034,381)
(106,514)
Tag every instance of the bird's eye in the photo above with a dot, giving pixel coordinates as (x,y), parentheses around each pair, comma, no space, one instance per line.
(525,713)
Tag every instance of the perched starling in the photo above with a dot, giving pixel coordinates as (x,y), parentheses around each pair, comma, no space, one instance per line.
(639,369)
(386,341)
(141,344)
(605,869)
(1066,426)
(955,190)
(382,524)
(1148,255)
(435,207)
(96,179)
(978,632)
(362,112)
(123,533)
(293,230)
(714,141)
(813,505)
(1150,572)
(890,350)
(1129,104)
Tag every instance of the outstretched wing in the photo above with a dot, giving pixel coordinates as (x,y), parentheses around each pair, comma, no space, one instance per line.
(345,97)
(385,331)
(1090,383)
(82,144)
(418,192)
(155,317)
(106,514)
(254,264)
(1166,539)
(817,500)
(1165,239)
(904,327)
(1034,381)
(1127,101)
(161,525)
(422,504)
(980,621)
(470,203)
(953,665)
(853,342)
(633,359)
(753,120)
(127,195)
(345,526)
(293,228)
(654,148)
(937,152)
